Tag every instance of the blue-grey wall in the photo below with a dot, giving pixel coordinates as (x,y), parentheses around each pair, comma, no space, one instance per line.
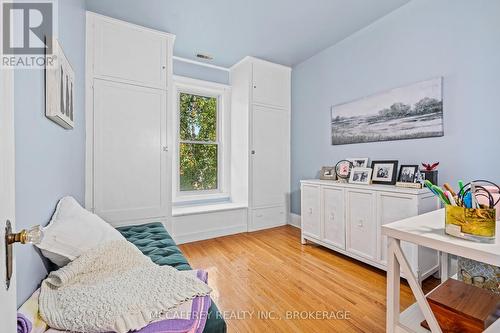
(458,40)
(195,71)
(50,161)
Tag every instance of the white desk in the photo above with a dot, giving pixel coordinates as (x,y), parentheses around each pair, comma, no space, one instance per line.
(426,230)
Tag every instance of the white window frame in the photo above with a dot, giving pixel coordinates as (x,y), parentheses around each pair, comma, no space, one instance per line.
(223,94)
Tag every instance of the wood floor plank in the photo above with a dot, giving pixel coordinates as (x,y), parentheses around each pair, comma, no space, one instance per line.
(267,281)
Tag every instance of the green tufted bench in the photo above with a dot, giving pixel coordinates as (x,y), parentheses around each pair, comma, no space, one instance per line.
(154,241)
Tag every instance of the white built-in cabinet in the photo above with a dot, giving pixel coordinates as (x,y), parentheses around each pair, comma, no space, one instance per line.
(347,218)
(129,71)
(260,140)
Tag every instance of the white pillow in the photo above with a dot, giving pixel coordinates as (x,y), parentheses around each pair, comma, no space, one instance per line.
(72,231)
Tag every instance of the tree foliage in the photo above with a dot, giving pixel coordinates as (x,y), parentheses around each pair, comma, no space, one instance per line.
(198,150)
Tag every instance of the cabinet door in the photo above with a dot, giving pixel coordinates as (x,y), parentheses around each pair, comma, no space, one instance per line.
(130,174)
(311,216)
(133,54)
(271,84)
(333,217)
(361,224)
(270,157)
(394,207)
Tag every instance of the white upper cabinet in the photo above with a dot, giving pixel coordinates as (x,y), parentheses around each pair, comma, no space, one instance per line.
(271,84)
(130,53)
(128,163)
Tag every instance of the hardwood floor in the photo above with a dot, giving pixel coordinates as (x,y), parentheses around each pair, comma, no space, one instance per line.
(266,281)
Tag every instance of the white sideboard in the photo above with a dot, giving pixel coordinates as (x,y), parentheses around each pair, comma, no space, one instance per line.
(347,218)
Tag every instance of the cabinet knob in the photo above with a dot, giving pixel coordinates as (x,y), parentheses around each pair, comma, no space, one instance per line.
(253,152)
(360,223)
(310,211)
(332,216)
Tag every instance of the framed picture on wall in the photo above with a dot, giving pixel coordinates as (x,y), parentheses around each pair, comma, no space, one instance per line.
(384,172)
(60,89)
(408,112)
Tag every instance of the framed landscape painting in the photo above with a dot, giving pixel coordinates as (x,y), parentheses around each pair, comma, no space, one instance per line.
(410,112)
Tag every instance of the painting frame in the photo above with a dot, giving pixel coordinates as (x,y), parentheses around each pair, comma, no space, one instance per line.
(384,179)
(412,111)
(60,89)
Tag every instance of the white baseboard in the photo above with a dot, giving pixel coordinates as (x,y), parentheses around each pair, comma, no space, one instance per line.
(294,220)
(208,234)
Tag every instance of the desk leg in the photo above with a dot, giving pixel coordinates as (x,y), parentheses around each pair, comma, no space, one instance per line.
(393,286)
(404,265)
(445,264)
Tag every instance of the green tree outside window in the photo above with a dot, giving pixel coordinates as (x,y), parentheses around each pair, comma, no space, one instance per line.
(198,145)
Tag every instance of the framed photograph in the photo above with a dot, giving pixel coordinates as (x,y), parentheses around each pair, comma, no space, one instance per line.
(60,90)
(328,173)
(384,172)
(420,177)
(408,173)
(361,176)
(343,169)
(361,162)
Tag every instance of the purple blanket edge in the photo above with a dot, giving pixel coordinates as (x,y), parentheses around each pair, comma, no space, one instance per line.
(199,311)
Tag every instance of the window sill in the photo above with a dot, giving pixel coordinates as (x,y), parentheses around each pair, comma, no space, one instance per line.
(206,208)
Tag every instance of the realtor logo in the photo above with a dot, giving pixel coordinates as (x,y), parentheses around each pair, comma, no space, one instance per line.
(28,30)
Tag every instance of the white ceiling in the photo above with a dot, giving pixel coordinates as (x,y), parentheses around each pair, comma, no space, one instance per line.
(282,31)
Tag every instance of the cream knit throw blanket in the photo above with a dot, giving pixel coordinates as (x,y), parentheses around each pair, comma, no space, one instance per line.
(113,288)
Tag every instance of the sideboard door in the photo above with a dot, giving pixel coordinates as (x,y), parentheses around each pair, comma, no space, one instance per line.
(311,215)
(361,223)
(333,217)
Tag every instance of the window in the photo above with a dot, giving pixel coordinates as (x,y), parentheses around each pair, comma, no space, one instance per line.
(201,158)
(198,142)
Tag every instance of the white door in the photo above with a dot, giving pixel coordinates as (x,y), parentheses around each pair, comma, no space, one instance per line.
(333,217)
(130,159)
(270,151)
(361,224)
(311,215)
(7,204)
(126,52)
(271,84)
